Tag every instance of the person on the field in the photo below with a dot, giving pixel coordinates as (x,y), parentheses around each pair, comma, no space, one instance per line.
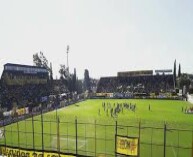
(134,107)
(111,112)
(186,110)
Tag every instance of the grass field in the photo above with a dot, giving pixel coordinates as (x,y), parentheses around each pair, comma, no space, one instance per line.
(96,132)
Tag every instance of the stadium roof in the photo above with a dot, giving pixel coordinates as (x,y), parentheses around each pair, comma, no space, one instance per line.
(21,65)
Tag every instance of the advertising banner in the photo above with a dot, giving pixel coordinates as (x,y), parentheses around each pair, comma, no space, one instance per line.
(127,145)
(13,152)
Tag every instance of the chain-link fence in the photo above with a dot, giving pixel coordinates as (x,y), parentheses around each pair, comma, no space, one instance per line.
(96,139)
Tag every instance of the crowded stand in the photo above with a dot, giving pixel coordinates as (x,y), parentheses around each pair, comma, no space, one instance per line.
(23,95)
(23,84)
(137,85)
(26,91)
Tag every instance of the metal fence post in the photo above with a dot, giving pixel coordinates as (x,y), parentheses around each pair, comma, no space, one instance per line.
(85,135)
(115,138)
(192,143)
(105,139)
(95,137)
(76,129)
(58,135)
(25,135)
(192,148)
(139,138)
(42,124)
(178,143)
(18,139)
(151,140)
(11,136)
(4,128)
(33,132)
(165,129)
(50,132)
(18,142)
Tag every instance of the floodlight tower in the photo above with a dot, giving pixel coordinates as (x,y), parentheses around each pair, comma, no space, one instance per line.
(67,56)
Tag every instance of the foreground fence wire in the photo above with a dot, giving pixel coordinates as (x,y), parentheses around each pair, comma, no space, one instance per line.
(94,139)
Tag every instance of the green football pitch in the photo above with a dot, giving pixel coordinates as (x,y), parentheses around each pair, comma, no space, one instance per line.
(90,129)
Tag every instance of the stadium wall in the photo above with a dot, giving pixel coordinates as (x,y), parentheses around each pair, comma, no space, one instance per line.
(142,96)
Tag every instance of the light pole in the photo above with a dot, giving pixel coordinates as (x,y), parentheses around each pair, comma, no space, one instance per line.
(67,56)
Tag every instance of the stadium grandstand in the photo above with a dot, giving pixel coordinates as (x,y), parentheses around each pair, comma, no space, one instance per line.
(23,84)
(136,83)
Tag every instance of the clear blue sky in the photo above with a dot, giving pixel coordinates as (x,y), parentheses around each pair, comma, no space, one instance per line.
(105,36)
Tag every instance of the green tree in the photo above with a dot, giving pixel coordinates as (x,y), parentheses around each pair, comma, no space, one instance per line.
(36,60)
(179,71)
(184,81)
(66,77)
(174,73)
(74,81)
(63,74)
(63,71)
(70,80)
(86,80)
(40,60)
(79,86)
(51,72)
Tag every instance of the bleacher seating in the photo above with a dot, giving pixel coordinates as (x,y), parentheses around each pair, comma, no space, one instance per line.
(136,84)
(23,84)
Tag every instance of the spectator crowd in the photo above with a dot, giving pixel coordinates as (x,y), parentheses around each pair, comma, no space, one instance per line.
(136,84)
